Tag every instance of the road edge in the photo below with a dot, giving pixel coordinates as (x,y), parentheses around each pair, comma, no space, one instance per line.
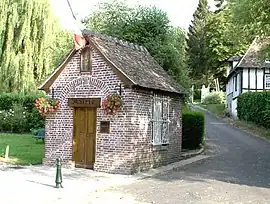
(187,158)
(227,120)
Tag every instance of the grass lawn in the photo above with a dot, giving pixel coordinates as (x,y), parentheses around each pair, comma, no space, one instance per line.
(216,109)
(23,149)
(251,128)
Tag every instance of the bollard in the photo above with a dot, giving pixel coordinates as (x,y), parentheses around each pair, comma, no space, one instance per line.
(58,179)
(7,152)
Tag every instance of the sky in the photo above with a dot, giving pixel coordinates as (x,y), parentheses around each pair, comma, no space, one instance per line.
(179,11)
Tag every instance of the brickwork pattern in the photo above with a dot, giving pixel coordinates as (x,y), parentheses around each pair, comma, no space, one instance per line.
(127,148)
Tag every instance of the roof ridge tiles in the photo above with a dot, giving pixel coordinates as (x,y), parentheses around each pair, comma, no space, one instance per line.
(116,40)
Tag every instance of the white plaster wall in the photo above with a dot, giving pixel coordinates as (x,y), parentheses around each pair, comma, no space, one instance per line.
(245,78)
(259,78)
(229,86)
(234,111)
(252,79)
(228,70)
(235,63)
(229,103)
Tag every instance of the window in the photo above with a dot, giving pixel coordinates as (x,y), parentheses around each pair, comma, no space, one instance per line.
(267,81)
(86,60)
(235,83)
(160,132)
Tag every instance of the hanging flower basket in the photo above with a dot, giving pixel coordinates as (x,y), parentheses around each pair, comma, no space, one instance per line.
(47,105)
(112,103)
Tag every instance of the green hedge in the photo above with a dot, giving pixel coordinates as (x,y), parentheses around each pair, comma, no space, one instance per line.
(216,97)
(193,129)
(18,113)
(254,107)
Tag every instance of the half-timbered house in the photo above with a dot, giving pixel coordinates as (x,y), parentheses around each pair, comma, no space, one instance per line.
(250,72)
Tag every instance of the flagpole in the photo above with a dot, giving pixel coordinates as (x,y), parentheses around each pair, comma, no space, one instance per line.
(71,10)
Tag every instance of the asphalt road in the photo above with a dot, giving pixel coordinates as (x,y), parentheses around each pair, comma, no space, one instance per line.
(238,171)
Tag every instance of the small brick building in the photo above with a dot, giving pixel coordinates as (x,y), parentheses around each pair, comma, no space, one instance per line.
(145,133)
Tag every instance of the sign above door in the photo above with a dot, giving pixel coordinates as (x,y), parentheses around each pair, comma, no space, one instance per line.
(84,102)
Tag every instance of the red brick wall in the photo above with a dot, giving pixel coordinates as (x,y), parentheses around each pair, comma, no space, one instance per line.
(127,149)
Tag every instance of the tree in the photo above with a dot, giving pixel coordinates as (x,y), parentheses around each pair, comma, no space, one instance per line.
(252,18)
(146,26)
(252,15)
(223,41)
(28,36)
(197,45)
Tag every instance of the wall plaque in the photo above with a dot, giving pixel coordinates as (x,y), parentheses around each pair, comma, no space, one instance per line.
(104,126)
(84,102)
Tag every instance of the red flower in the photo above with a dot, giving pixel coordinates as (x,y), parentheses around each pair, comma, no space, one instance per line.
(44,105)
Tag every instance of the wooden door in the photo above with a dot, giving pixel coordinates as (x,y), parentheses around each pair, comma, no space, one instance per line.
(84,138)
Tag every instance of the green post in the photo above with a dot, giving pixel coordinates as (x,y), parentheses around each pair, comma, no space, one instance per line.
(58,179)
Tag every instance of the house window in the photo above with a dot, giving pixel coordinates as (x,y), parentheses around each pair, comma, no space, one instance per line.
(160,121)
(267,81)
(235,83)
(86,60)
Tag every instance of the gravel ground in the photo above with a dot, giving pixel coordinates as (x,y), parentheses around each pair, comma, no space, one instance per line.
(237,171)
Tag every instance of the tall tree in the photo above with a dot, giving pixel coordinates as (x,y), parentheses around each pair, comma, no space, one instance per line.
(253,19)
(197,44)
(252,15)
(147,26)
(222,43)
(28,31)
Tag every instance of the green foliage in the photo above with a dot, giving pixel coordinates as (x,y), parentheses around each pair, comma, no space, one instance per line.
(216,109)
(29,40)
(252,19)
(252,15)
(214,97)
(18,113)
(14,119)
(197,42)
(197,94)
(193,129)
(221,40)
(215,36)
(254,107)
(146,26)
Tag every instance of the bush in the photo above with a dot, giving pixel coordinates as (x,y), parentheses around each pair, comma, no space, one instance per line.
(214,98)
(18,113)
(254,107)
(193,129)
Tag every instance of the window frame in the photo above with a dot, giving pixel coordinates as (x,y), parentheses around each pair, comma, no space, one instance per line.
(84,52)
(265,81)
(160,121)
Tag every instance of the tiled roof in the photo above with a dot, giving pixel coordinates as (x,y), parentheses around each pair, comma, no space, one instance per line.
(134,62)
(234,59)
(252,57)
